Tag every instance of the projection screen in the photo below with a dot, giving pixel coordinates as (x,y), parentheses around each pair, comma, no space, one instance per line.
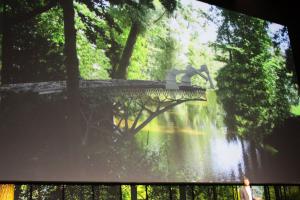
(148,91)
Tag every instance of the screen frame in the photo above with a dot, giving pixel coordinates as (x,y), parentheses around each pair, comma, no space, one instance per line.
(251,11)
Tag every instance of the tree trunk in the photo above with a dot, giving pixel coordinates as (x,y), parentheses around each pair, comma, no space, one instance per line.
(120,192)
(17,191)
(278,195)
(63,192)
(192,192)
(254,158)
(93,192)
(121,72)
(81,196)
(96,192)
(182,192)
(133,192)
(284,192)
(71,60)
(170,193)
(73,120)
(245,158)
(146,188)
(266,192)
(230,52)
(30,192)
(215,195)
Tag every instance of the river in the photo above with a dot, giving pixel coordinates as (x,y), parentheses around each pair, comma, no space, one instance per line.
(193,144)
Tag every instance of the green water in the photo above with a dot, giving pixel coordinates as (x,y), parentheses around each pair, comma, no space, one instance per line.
(192,145)
(186,143)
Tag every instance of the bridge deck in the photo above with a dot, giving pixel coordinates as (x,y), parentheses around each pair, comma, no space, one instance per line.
(111,85)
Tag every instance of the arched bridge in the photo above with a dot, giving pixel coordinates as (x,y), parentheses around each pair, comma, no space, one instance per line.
(123,107)
(112,88)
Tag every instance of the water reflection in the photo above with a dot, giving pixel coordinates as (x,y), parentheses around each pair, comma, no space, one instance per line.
(194,139)
(139,137)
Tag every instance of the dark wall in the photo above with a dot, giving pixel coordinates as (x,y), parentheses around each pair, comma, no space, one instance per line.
(285,12)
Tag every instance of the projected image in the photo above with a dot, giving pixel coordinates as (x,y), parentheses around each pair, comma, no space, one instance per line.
(145,91)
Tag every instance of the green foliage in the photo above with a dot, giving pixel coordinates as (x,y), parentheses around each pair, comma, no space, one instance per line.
(41,59)
(254,86)
(50,25)
(22,192)
(295,110)
(164,58)
(126,192)
(117,29)
(154,192)
(138,63)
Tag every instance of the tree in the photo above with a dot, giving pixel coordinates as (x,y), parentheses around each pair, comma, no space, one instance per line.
(14,13)
(250,85)
(71,60)
(36,52)
(121,20)
(121,71)
(133,192)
